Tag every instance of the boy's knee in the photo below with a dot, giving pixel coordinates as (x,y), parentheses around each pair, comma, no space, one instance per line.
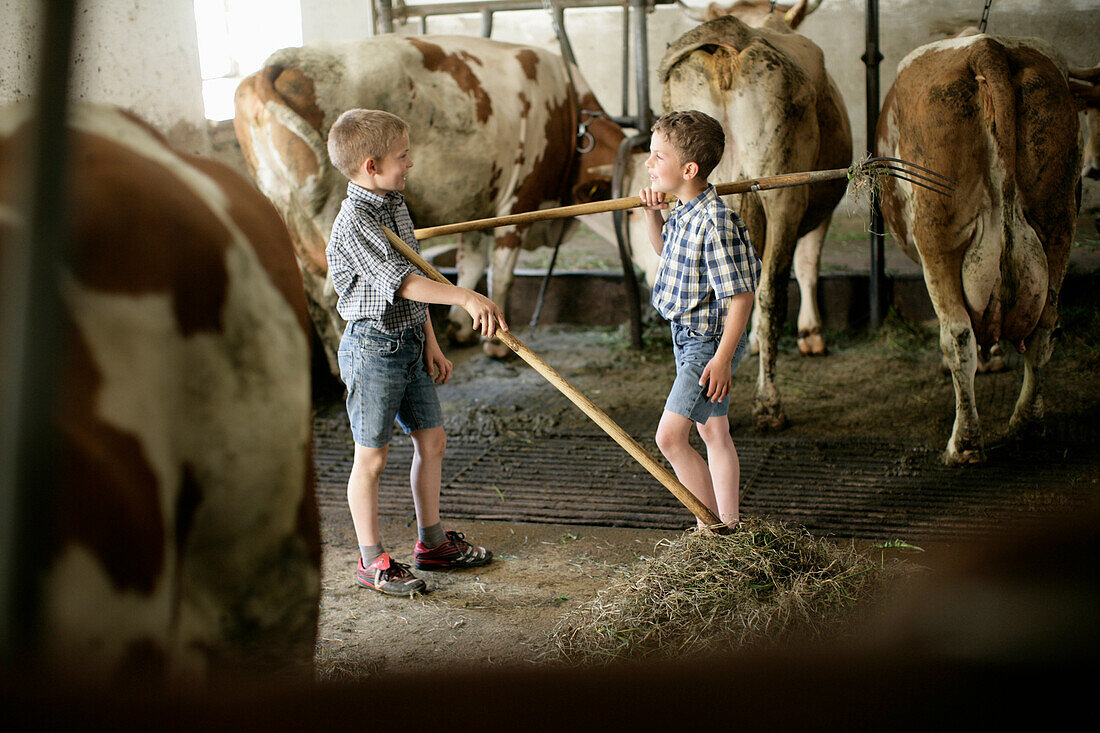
(431,443)
(715,431)
(369,461)
(670,441)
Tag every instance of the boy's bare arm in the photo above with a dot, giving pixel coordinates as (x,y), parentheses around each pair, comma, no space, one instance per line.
(439,366)
(488,317)
(716,374)
(654,202)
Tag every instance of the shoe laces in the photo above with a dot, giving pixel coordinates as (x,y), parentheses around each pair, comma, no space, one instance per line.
(396,571)
(458,538)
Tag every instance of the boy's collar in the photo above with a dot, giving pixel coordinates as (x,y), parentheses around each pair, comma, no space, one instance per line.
(684,207)
(359,193)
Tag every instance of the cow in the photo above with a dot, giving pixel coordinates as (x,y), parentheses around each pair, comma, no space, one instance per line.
(782,113)
(494,130)
(183,539)
(996,115)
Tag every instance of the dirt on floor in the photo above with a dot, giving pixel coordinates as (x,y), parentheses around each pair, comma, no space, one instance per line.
(888,385)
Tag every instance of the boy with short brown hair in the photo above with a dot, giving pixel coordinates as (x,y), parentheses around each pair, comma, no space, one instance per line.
(704,286)
(389,354)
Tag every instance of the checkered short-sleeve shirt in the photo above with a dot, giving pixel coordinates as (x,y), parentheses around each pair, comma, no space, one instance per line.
(706,258)
(366,270)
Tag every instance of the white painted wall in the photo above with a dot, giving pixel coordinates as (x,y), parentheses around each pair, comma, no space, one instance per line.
(137,54)
(335,20)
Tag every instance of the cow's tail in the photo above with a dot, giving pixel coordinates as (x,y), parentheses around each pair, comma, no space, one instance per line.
(989,62)
(306,151)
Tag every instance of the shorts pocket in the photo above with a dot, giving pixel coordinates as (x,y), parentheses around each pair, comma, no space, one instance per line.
(379,344)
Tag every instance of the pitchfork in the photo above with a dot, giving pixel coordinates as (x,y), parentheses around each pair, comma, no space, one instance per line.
(866,172)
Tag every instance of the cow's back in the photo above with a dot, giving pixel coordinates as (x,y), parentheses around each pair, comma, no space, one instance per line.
(781,110)
(185,536)
(479,146)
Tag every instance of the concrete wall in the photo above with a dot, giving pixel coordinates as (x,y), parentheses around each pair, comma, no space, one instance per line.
(138,54)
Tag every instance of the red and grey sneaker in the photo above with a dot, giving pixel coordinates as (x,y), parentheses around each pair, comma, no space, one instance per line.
(388,576)
(454,552)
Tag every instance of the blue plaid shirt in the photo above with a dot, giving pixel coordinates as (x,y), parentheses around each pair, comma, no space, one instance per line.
(706,258)
(366,271)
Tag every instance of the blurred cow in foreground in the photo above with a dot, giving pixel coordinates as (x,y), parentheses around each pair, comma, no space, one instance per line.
(184,538)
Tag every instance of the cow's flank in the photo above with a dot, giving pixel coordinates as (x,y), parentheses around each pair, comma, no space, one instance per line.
(185,537)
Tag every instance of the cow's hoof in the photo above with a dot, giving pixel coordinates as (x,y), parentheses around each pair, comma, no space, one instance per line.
(771,422)
(1025,427)
(811,343)
(496,350)
(955,457)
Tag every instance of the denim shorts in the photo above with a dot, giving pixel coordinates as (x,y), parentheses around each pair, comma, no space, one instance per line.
(693,351)
(386,379)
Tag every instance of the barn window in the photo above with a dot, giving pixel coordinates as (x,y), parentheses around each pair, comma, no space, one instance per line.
(235,36)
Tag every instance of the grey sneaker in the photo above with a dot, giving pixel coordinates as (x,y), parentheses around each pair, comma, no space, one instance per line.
(388,576)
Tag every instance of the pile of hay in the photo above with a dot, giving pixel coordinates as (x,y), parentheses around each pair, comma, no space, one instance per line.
(704,593)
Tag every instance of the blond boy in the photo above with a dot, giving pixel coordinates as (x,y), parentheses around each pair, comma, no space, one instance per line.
(389,358)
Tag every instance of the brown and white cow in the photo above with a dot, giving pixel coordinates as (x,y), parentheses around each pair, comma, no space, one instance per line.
(995,114)
(494,132)
(782,113)
(184,539)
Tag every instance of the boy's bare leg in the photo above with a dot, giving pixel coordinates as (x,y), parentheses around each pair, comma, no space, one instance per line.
(426,474)
(725,468)
(672,438)
(366,470)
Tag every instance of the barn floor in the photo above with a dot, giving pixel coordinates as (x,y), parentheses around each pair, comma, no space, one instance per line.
(564,507)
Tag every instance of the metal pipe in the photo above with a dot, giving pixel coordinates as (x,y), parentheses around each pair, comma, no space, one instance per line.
(486,22)
(385,15)
(563,38)
(33,348)
(404,12)
(622,234)
(871,59)
(644,115)
(626,60)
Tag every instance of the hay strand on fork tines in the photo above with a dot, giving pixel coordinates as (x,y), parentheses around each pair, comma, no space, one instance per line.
(704,593)
(865,182)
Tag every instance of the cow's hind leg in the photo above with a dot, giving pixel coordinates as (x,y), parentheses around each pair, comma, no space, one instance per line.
(473,259)
(960,351)
(807,263)
(1028,414)
(771,302)
(501,278)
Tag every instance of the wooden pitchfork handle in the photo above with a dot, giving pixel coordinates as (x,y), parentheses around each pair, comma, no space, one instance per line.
(586,406)
(629,202)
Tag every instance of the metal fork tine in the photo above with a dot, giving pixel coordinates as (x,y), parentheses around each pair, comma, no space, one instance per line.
(940,191)
(908,163)
(883,166)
